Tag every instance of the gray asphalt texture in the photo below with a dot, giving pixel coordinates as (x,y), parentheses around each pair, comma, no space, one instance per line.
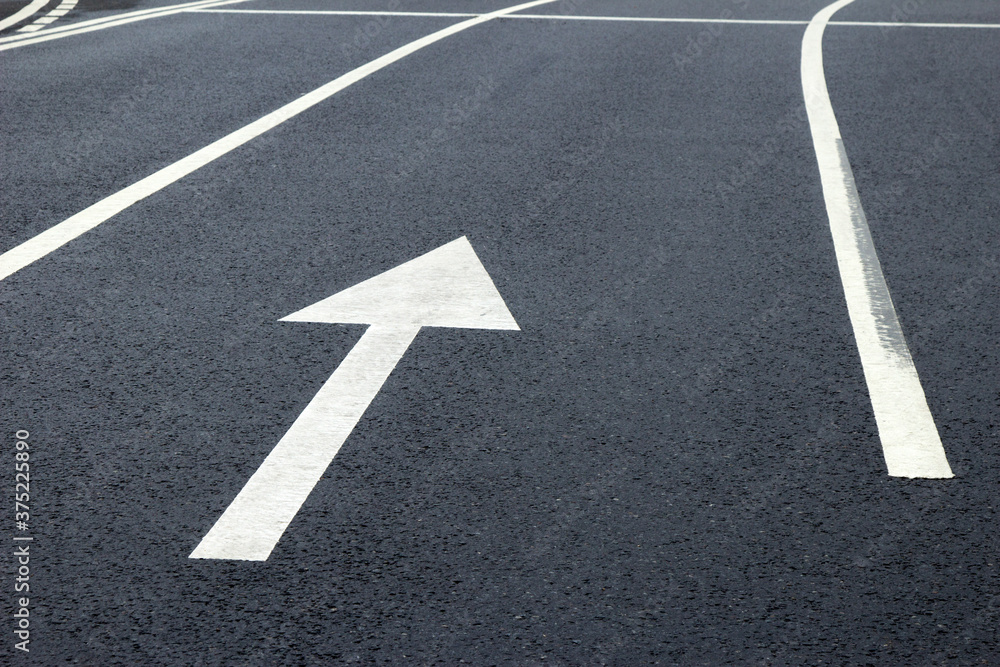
(675,461)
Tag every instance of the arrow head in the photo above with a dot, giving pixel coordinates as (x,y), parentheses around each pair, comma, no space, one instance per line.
(447,287)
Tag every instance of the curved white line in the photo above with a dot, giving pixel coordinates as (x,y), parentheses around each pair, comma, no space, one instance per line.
(26,11)
(910,440)
(55,237)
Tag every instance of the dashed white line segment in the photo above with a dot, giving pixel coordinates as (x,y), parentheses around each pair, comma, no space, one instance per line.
(61,10)
(910,441)
(20,39)
(31,8)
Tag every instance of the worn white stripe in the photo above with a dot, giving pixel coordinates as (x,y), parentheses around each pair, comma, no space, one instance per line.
(23,13)
(55,237)
(910,440)
(19,40)
(560,17)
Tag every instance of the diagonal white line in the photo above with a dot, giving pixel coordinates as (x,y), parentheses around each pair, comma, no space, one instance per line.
(55,237)
(256,519)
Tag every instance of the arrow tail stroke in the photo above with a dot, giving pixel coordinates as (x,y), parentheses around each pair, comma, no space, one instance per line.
(254,522)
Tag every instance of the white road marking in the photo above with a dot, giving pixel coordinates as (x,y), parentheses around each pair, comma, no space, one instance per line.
(23,13)
(910,440)
(906,24)
(887,24)
(659,19)
(334,12)
(447,287)
(24,39)
(64,7)
(339,12)
(560,17)
(55,237)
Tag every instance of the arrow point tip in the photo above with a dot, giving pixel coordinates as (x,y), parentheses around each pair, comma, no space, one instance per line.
(447,287)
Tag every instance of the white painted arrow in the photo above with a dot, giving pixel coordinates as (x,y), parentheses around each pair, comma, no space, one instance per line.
(447,287)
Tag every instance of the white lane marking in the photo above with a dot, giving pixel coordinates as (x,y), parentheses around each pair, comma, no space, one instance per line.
(910,440)
(659,19)
(23,13)
(906,24)
(889,24)
(24,39)
(447,287)
(63,9)
(148,13)
(559,17)
(338,12)
(334,12)
(55,237)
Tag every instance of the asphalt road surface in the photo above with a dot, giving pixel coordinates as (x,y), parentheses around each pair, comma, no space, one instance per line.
(621,417)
